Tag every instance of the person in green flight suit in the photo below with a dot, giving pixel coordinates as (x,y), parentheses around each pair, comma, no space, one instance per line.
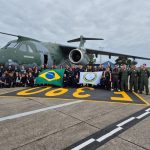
(133,78)
(139,78)
(124,73)
(144,74)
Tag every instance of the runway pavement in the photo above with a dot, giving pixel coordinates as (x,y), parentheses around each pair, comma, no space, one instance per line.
(54,119)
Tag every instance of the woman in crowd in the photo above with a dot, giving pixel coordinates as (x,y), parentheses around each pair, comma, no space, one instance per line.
(107,76)
(115,79)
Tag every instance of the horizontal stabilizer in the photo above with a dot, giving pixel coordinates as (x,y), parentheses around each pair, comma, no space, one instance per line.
(83,38)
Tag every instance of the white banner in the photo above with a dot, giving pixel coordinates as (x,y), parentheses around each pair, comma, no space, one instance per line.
(90,77)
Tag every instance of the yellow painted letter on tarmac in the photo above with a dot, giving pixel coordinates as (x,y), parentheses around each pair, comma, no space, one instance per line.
(57,92)
(32,91)
(124,97)
(78,92)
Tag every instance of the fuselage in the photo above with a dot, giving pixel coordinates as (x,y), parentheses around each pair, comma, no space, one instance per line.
(30,52)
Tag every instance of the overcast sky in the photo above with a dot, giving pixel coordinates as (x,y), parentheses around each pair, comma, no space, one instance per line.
(124,24)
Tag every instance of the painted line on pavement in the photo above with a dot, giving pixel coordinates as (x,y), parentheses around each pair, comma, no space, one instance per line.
(141,98)
(109,134)
(94,141)
(143,115)
(37,111)
(125,122)
(84,144)
(147,109)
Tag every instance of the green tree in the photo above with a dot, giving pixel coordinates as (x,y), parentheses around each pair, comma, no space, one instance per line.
(92,59)
(123,60)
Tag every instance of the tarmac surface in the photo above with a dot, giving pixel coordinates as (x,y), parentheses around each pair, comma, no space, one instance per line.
(48,118)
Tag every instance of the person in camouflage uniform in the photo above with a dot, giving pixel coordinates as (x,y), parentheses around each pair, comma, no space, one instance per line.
(133,78)
(144,74)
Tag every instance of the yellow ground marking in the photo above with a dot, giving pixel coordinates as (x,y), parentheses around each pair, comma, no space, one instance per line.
(29,91)
(67,99)
(141,98)
(78,92)
(57,92)
(125,97)
(112,102)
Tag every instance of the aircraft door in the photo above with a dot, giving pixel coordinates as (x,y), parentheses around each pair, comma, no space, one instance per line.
(45,59)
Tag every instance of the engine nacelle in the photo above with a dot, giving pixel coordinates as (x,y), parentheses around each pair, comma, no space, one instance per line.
(77,56)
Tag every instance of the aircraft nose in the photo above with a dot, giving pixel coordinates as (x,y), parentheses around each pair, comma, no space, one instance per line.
(2,56)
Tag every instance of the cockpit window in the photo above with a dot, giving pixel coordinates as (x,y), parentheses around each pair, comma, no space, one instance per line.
(30,49)
(12,45)
(23,47)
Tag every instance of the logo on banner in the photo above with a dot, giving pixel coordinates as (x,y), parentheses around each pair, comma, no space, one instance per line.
(90,77)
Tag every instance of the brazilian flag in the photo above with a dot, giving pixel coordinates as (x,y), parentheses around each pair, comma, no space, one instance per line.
(51,77)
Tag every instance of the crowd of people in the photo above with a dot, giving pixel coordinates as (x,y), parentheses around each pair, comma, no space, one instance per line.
(115,79)
(122,78)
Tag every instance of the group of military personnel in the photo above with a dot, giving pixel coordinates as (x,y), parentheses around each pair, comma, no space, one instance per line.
(138,79)
(118,78)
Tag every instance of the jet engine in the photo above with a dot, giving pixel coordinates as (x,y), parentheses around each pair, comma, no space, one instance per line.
(77,56)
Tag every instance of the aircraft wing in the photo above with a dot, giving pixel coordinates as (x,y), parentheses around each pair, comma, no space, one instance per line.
(67,49)
(92,51)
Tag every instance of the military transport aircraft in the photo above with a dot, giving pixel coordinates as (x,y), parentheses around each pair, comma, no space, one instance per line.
(26,50)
